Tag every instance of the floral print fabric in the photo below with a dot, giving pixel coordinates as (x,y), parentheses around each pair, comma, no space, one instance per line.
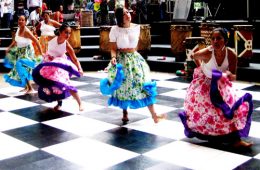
(203,117)
(21,61)
(131,93)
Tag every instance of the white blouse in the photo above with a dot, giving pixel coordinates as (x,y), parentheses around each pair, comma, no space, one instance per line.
(55,49)
(47,30)
(125,37)
(21,41)
(212,64)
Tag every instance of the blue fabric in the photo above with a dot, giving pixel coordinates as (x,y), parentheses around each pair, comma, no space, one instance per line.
(22,72)
(132,104)
(106,88)
(8,64)
(150,88)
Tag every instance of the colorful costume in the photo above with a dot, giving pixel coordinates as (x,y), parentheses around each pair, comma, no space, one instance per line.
(128,83)
(53,75)
(21,59)
(212,109)
(46,32)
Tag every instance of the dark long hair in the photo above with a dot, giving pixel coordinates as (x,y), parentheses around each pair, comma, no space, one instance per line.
(119,13)
(62,28)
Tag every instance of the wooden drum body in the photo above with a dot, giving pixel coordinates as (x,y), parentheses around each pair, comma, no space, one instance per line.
(74,38)
(104,45)
(192,45)
(144,43)
(206,30)
(87,18)
(243,37)
(178,36)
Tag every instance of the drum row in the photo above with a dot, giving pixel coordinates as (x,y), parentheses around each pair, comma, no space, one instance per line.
(181,40)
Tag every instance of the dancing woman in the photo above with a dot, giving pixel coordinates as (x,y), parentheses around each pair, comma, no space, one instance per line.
(53,75)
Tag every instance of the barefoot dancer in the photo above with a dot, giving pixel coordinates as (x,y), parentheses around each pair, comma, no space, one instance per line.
(212,110)
(136,90)
(53,75)
(20,57)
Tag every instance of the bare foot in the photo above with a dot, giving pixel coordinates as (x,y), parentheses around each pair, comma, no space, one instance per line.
(81,107)
(125,116)
(57,107)
(125,119)
(24,90)
(29,91)
(158,118)
(242,143)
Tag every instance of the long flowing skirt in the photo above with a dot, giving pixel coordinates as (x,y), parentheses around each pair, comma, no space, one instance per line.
(212,108)
(129,82)
(53,78)
(44,40)
(21,61)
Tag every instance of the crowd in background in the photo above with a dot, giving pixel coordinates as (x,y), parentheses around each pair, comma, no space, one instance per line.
(103,10)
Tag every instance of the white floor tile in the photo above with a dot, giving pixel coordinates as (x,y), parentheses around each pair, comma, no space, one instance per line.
(176,93)
(254,129)
(78,83)
(172,84)
(159,109)
(90,154)
(196,157)
(165,128)
(10,147)
(11,121)
(70,105)
(11,91)
(11,103)
(80,125)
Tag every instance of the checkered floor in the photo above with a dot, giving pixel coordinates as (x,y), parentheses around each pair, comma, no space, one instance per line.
(33,136)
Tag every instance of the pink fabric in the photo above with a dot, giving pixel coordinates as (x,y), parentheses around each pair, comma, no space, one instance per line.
(202,116)
(55,73)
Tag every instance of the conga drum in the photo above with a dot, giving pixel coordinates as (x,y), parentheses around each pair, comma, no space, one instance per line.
(178,35)
(206,30)
(74,38)
(243,37)
(192,45)
(144,43)
(104,45)
(87,18)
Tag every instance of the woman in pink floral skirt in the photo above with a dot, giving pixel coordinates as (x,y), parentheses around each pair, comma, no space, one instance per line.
(213,111)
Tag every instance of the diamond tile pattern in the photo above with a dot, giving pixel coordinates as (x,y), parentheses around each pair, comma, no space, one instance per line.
(33,136)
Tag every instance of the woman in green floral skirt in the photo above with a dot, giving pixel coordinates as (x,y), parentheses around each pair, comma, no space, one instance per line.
(20,57)
(128,80)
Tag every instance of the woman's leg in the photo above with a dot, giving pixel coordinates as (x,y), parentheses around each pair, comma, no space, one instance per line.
(77,98)
(156,118)
(29,87)
(58,106)
(25,88)
(125,116)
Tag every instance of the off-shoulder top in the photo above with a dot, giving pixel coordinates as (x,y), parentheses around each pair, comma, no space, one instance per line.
(125,37)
